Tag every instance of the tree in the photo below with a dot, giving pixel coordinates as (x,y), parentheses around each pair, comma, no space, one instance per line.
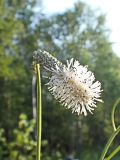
(17,44)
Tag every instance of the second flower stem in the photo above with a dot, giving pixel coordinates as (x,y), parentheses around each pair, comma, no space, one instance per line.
(109,143)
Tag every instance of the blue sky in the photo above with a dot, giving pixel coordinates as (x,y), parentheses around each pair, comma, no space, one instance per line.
(110,7)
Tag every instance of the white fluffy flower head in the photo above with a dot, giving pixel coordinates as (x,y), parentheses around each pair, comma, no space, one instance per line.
(74,86)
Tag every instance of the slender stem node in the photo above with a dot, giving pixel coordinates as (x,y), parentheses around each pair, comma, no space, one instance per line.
(39,112)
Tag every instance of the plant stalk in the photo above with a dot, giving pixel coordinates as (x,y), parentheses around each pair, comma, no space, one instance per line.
(39,113)
(113,114)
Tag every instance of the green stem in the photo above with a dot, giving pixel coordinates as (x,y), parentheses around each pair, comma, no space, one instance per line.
(109,143)
(113,114)
(39,112)
(113,153)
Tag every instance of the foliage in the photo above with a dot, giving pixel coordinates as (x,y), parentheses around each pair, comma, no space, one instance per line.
(22,146)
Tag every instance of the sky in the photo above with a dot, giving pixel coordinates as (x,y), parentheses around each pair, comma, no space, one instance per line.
(110,7)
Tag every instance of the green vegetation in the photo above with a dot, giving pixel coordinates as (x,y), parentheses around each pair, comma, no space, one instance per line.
(80,33)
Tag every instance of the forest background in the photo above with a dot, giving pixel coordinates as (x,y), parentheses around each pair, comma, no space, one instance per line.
(80,33)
